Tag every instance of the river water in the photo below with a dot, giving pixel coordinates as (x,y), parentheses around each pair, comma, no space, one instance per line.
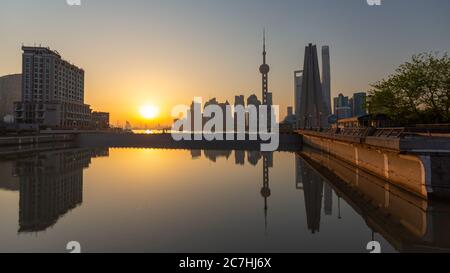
(156,200)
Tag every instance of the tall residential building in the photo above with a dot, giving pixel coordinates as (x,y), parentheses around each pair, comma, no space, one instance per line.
(298,79)
(52,91)
(359,104)
(10,92)
(326,77)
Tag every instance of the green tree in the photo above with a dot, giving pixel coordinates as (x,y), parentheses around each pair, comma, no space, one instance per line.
(419,91)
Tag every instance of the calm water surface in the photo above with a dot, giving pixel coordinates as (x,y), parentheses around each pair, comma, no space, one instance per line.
(148,200)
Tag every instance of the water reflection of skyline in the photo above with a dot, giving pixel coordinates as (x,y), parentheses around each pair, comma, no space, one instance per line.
(408,222)
(50,185)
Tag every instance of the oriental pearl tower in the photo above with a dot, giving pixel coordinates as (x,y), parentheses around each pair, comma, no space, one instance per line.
(266,101)
(264,69)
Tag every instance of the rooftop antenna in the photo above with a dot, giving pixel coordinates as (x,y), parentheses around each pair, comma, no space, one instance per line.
(264,44)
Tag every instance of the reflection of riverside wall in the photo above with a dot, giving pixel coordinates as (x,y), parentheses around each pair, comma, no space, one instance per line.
(406,220)
(411,172)
(51,184)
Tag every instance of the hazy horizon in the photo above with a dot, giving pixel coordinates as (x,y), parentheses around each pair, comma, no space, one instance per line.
(166,52)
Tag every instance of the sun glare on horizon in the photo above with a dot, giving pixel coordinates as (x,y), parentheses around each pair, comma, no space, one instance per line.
(149,111)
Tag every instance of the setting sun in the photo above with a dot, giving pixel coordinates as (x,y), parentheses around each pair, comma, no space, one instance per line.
(149,111)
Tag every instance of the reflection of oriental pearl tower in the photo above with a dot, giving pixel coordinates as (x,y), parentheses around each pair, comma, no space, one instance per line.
(264,69)
(265,190)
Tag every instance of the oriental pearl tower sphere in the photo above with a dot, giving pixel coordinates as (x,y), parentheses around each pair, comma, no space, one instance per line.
(264,69)
(265,193)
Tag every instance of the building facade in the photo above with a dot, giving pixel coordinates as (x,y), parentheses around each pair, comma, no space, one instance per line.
(326,77)
(342,108)
(359,104)
(52,91)
(298,79)
(100,120)
(345,107)
(10,92)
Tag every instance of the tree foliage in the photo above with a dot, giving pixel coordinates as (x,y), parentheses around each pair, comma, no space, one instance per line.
(419,91)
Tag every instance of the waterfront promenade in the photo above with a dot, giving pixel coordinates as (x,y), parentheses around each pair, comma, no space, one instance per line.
(411,161)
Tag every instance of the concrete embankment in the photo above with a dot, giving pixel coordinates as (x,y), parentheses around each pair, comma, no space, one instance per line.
(35,139)
(286,142)
(28,144)
(417,164)
(408,222)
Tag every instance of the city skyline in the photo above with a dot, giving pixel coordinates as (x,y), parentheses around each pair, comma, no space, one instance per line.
(162,62)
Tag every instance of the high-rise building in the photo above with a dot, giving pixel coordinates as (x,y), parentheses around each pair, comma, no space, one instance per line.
(359,104)
(238,101)
(313,113)
(344,112)
(342,107)
(227,116)
(252,101)
(52,91)
(195,112)
(298,79)
(350,104)
(290,111)
(290,117)
(326,77)
(10,92)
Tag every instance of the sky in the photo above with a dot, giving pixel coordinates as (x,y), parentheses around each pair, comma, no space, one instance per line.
(166,52)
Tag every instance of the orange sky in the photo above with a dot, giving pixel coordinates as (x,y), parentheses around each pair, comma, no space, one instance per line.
(166,52)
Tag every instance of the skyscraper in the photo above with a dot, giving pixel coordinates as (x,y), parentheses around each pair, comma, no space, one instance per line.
(298,78)
(359,104)
(10,92)
(252,100)
(52,91)
(238,101)
(313,113)
(326,77)
(290,111)
(342,107)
